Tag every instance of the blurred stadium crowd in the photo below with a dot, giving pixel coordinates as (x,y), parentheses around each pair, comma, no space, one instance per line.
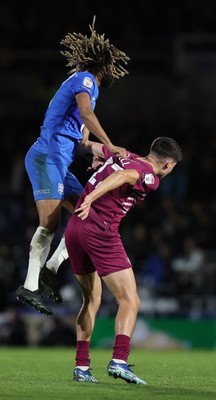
(170,91)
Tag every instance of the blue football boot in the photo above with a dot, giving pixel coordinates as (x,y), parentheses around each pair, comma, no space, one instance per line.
(83,376)
(123,371)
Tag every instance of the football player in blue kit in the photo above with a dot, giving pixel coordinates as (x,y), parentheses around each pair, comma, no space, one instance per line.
(69,119)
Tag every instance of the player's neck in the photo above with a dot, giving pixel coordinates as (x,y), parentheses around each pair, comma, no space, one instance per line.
(152,161)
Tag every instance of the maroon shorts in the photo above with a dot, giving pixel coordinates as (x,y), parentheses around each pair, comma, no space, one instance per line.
(94,248)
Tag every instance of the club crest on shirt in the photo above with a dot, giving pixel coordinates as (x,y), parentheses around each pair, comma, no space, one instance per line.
(60,188)
(149,179)
(87,82)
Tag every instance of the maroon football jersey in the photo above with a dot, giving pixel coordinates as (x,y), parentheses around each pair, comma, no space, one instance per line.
(114,205)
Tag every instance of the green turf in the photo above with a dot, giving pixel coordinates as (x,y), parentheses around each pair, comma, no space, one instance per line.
(45,374)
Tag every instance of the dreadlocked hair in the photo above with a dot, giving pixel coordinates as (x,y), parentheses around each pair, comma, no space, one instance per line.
(94,53)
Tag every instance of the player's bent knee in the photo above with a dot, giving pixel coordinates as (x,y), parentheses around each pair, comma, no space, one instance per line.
(49,223)
(135,302)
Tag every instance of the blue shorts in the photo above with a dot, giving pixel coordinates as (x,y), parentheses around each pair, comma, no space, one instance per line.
(50,178)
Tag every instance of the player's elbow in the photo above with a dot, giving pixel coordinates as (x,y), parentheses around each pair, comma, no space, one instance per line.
(132,176)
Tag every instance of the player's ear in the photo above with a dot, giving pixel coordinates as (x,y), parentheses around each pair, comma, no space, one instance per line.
(168,166)
(165,166)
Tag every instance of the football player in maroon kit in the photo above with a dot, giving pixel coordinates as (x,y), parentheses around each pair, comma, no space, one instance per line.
(96,251)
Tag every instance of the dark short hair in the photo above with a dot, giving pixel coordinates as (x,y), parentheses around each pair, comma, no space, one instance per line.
(167,148)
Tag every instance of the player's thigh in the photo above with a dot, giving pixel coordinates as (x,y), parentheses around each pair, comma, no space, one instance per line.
(90,285)
(72,191)
(47,176)
(70,203)
(104,247)
(122,284)
(81,263)
(72,187)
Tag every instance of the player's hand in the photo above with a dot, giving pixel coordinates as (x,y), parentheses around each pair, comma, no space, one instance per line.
(119,151)
(83,210)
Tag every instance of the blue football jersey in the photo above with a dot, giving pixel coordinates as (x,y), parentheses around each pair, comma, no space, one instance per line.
(62,125)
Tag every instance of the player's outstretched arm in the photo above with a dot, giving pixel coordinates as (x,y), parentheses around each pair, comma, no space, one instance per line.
(88,147)
(116,179)
(93,125)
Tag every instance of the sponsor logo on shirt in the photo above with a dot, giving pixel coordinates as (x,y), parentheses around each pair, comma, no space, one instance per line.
(60,188)
(42,191)
(149,179)
(87,82)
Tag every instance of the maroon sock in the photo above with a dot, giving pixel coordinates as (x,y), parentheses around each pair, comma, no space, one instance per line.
(82,353)
(121,348)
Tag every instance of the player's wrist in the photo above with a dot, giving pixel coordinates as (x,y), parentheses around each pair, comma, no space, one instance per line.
(109,144)
(89,198)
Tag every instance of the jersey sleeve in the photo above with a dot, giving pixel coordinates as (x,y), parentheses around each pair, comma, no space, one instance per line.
(147,180)
(83,83)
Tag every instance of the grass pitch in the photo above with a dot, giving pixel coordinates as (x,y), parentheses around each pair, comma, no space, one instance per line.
(45,374)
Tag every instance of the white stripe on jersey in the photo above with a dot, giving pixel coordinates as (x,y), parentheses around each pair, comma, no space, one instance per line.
(127,204)
(92,180)
(116,167)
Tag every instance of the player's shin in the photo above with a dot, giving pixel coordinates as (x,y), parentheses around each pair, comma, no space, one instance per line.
(39,250)
(58,257)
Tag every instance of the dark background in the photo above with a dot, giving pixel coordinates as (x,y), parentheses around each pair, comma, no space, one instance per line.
(170,91)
